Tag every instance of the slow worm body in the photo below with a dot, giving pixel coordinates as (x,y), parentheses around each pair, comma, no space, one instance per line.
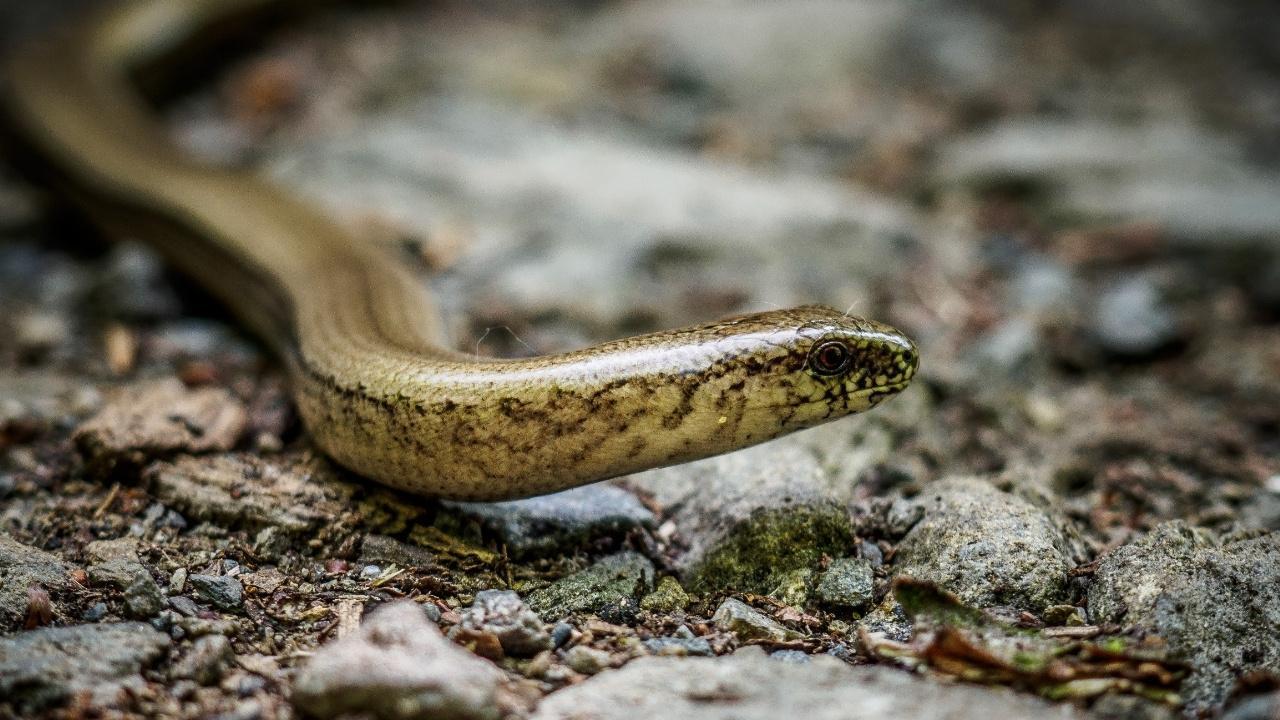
(373,383)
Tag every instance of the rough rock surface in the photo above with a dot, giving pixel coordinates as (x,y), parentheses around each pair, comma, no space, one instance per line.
(44,667)
(752,516)
(504,614)
(747,623)
(1217,607)
(988,546)
(223,591)
(398,665)
(160,418)
(849,583)
(611,588)
(751,686)
(22,566)
(547,524)
(293,492)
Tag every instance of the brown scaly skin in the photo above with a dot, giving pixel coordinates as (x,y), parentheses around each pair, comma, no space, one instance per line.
(370,377)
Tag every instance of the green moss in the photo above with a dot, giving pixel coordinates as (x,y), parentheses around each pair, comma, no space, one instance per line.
(668,598)
(759,553)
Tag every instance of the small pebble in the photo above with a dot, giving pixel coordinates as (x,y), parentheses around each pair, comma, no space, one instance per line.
(796,657)
(748,623)
(679,646)
(178,581)
(503,614)
(224,592)
(586,660)
(560,634)
(184,605)
(369,572)
(432,612)
(95,612)
(205,661)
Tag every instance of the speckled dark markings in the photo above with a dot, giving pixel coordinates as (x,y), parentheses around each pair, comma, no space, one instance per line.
(372,382)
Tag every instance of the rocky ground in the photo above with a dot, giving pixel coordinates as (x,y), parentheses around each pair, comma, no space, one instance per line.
(1074,512)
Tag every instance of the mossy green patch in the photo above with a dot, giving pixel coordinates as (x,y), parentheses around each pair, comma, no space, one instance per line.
(759,554)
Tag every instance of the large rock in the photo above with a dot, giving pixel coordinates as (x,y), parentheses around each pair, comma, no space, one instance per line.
(21,567)
(293,492)
(989,547)
(558,522)
(398,666)
(1217,607)
(753,516)
(158,418)
(45,667)
(751,686)
(611,587)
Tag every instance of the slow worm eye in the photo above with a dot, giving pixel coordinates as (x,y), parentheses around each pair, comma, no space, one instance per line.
(830,358)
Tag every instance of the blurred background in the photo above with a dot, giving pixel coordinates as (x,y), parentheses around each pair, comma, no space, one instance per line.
(1073,208)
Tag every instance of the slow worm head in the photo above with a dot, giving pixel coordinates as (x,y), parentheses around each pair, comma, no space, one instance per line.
(375,385)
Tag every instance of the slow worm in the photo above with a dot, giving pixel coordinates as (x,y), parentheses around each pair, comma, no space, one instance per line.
(374,385)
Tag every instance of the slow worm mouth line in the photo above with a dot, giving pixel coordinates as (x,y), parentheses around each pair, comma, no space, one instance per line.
(373,385)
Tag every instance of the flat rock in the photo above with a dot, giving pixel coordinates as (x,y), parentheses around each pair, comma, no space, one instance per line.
(222,590)
(747,623)
(158,418)
(293,492)
(45,667)
(611,588)
(988,546)
(1218,607)
(22,566)
(751,686)
(398,665)
(568,520)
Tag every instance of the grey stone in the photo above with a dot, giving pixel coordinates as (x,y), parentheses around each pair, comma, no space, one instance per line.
(560,634)
(1131,318)
(397,666)
(747,623)
(205,661)
(1216,607)
(45,667)
(558,522)
(989,547)
(610,588)
(223,591)
(678,646)
(504,614)
(143,597)
(750,686)
(795,657)
(22,566)
(848,583)
(184,605)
